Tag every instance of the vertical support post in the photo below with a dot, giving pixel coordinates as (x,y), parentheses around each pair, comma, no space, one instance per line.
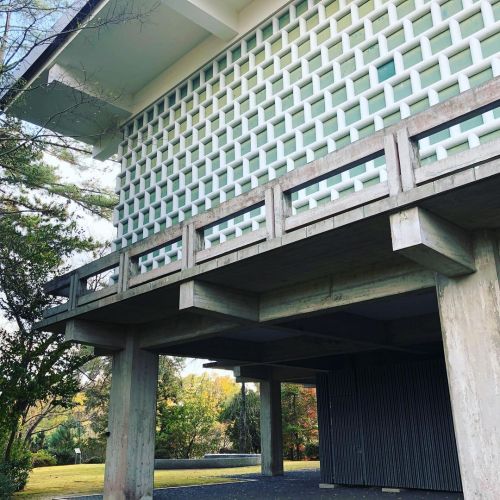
(282,209)
(131,442)
(190,245)
(271,434)
(270,213)
(392,162)
(75,290)
(469,308)
(408,159)
(128,267)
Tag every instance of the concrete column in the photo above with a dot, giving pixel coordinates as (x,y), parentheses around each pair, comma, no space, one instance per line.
(469,308)
(130,448)
(271,434)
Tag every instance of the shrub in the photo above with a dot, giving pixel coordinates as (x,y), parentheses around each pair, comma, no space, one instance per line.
(94,460)
(43,458)
(14,474)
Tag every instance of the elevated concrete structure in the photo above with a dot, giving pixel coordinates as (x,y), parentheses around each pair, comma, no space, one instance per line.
(313,201)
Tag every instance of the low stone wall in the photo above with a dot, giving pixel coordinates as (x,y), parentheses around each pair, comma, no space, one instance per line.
(209,461)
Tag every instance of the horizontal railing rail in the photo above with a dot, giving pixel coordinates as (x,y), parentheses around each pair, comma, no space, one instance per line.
(398,143)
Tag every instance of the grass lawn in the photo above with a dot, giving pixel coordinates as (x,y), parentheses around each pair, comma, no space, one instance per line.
(46,482)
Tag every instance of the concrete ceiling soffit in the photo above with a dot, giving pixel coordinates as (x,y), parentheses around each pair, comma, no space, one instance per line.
(215,16)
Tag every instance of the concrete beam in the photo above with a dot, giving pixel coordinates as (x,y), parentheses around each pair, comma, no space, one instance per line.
(109,337)
(207,298)
(469,309)
(327,294)
(212,15)
(271,433)
(179,329)
(432,242)
(132,419)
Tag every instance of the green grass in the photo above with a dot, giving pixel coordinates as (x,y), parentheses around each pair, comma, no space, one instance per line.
(45,482)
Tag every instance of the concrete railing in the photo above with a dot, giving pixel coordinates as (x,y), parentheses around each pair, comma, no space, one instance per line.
(399,145)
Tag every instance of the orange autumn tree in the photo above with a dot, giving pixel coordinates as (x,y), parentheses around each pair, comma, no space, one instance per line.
(300,422)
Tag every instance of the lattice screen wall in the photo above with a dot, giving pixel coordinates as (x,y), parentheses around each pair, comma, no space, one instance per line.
(315,77)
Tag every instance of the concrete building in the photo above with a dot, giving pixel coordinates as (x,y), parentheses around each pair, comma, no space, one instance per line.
(309,191)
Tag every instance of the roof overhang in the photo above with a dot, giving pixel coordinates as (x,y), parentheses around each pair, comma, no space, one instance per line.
(84,81)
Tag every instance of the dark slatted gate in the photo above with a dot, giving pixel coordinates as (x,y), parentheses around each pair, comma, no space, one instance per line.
(388,424)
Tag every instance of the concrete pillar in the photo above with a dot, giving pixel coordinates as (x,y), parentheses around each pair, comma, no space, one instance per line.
(131,442)
(469,308)
(271,434)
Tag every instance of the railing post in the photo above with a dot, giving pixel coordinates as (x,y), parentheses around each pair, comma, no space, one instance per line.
(128,267)
(392,164)
(408,159)
(191,243)
(75,290)
(282,210)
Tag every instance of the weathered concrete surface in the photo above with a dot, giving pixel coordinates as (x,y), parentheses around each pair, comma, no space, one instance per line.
(130,448)
(271,438)
(469,308)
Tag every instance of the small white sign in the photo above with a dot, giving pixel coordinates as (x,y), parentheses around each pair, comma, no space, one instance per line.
(77,451)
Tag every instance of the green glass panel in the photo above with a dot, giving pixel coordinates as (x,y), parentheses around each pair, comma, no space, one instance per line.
(439,136)
(371,53)
(491,45)
(326,79)
(353,114)
(287,101)
(460,61)
(284,19)
(301,7)
(309,136)
(362,83)
(404,8)
(331,8)
(298,118)
(262,138)
(339,96)
(315,63)
(490,136)
(271,155)
(430,75)
(295,74)
(440,41)
(418,106)
(267,31)
(330,126)
(279,128)
(471,123)
(323,35)
(357,36)
(285,59)
(366,131)
(335,50)
(471,25)
(422,24)
(365,8)
(380,22)
(463,146)
(377,102)
(304,48)
(412,56)
(306,90)
(294,33)
(450,8)
(344,22)
(318,107)
(392,118)
(289,146)
(386,70)
(480,77)
(348,66)
(312,22)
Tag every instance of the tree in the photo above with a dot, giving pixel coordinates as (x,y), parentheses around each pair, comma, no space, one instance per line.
(241,414)
(300,419)
(188,423)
